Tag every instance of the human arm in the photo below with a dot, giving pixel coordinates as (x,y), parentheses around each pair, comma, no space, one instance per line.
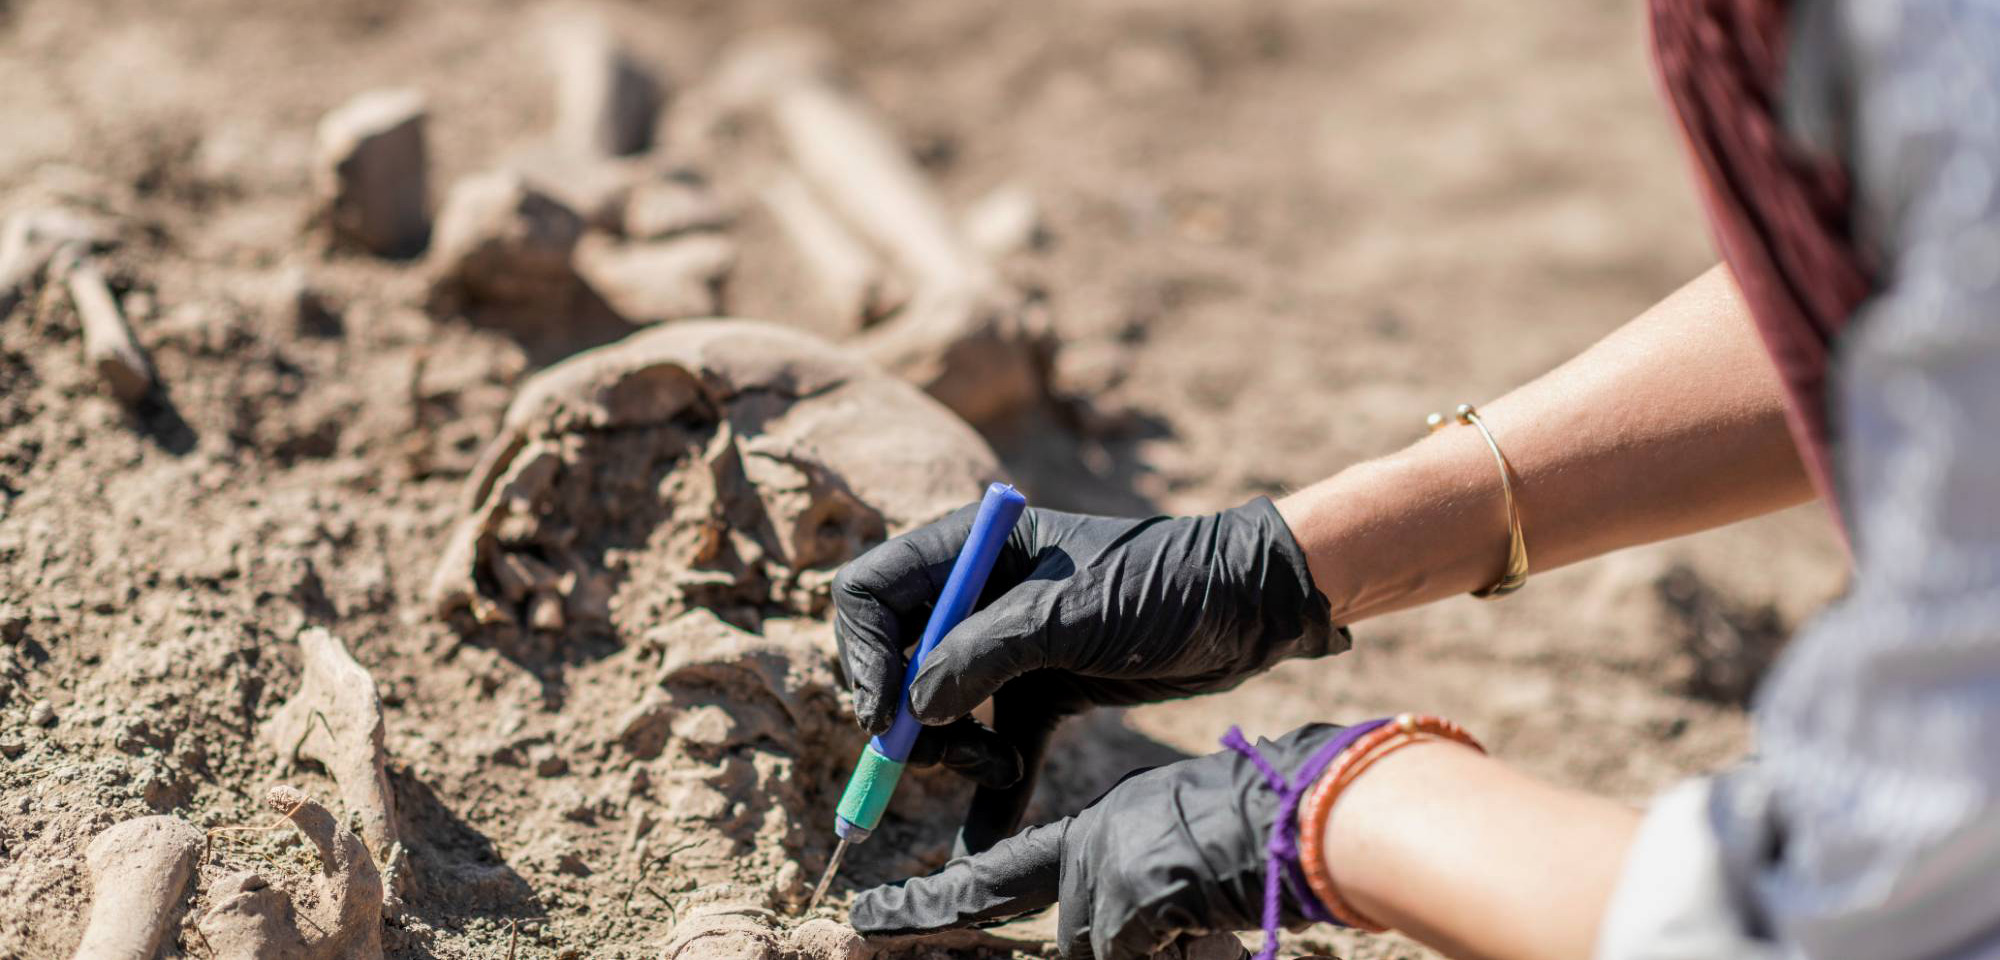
(1672,424)
(1464,853)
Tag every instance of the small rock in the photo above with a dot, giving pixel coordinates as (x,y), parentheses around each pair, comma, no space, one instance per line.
(547,761)
(519,574)
(1005,222)
(1212,946)
(42,714)
(706,725)
(606,101)
(637,781)
(571,863)
(502,240)
(788,884)
(823,939)
(545,612)
(371,172)
(660,280)
(13,623)
(133,735)
(306,306)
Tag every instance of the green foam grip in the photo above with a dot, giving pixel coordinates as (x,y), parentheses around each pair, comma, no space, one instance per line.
(869,790)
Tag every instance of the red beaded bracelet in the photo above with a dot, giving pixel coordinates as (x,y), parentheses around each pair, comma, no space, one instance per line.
(1398,733)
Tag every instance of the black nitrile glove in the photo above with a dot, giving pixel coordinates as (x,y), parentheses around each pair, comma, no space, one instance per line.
(1079,611)
(1179,849)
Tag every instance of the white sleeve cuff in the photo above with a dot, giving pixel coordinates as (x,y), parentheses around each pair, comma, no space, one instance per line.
(1673,900)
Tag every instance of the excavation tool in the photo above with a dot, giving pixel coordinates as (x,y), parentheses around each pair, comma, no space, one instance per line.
(881,763)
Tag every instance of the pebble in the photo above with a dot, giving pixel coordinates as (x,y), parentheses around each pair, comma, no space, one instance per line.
(13,623)
(42,714)
(548,762)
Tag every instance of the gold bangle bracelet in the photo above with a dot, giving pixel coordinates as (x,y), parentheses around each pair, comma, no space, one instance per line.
(1517,546)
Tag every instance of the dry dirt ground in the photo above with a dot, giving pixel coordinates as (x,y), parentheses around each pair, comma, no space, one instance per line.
(1279,232)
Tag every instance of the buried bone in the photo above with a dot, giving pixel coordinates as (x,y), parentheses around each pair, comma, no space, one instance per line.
(853,283)
(139,872)
(31,239)
(335,719)
(965,336)
(337,915)
(108,346)
(709,476)
(652,281)
(606,100)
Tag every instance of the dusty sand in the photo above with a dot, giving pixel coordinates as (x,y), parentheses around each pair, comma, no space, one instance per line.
(1281,232)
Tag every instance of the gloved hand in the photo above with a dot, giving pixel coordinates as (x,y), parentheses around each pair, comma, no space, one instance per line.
(1179,849)
(1079,611)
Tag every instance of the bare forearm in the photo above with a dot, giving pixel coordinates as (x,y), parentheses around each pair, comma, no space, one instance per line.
(1672,424)
(1478,860)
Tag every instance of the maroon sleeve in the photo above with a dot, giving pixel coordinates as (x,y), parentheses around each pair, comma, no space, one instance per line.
(1779,214)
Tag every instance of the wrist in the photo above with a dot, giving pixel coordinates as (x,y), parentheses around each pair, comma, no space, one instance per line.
(1421,524)
(1315,812)
(1293,615)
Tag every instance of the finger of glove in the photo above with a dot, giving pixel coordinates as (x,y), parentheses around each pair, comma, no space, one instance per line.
(966,747)
(881,600)
(1019,875)
(1025,723)
(992,646)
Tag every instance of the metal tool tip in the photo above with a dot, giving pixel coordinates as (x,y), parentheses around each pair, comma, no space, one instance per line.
(826,879)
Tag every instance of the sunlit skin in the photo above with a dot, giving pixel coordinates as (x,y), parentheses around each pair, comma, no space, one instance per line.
(1672,424)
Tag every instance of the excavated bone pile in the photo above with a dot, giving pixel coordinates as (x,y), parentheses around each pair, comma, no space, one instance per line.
(726,465)
(658,523)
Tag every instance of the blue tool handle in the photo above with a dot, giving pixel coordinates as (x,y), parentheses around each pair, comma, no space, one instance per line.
(998,511)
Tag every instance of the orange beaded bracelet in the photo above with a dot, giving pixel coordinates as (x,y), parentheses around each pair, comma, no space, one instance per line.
(1405,729)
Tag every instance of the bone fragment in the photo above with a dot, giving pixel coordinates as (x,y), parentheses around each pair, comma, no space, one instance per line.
(1004,222)
(31,238)
(139,871)
(335,719)
(502,239)
(658,280)
(669,207)
(592,185)
(107,341)
(606,100)
(340,918)
(966,337)
(851,278)
(862,170)
(371,172)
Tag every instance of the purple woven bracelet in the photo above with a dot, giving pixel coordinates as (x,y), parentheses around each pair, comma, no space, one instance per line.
(1282,870)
